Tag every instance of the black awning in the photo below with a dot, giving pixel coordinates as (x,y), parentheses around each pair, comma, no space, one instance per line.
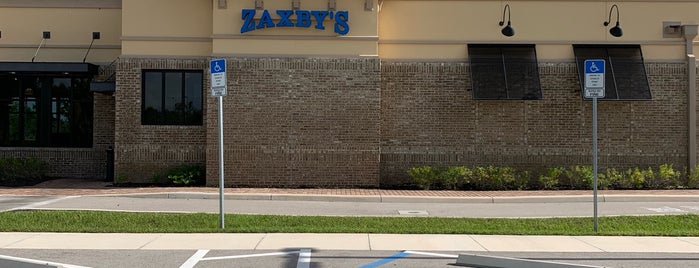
(48,67)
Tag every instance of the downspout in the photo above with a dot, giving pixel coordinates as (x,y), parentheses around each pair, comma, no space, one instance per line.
(689,32)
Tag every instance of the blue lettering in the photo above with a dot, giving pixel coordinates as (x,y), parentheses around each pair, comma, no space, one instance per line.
(320,17)
(265,21)
(303,18)
(285,21)
(341,26)
(249,23)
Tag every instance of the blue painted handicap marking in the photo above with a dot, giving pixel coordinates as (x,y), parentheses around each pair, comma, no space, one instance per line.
(218,66)
(404,254)
(594,66)
(385,260)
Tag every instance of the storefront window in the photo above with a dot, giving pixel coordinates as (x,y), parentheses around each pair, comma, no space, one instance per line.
(172,97)
(45,111)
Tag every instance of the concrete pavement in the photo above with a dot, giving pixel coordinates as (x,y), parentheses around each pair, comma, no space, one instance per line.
(391,242)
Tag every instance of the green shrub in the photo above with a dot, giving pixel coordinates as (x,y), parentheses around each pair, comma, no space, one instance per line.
(187,175)
(610,179)
(423,176)
(667,177)
(693,178)
(21,171)
(492,178)
(634,179)
(575,177)
(551,179)
(455,177)
(579,177)
(523,181)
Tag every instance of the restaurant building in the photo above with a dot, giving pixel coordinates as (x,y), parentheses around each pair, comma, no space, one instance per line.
(343,93)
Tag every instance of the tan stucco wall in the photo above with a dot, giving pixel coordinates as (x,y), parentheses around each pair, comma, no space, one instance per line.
(414,29)
(71,32)
(166,27)
(201,28)
(395,29)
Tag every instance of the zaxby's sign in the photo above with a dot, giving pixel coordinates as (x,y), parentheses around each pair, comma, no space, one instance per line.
(295,18)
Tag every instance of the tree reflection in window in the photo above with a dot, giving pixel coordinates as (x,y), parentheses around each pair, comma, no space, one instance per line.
(44,110)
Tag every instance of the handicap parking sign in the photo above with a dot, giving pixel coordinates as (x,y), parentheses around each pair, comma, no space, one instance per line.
(594,78)
(217,69)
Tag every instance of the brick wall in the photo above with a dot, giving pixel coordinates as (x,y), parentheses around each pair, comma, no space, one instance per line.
(295,122)
(428,117)
(142,152)
(77,162)
(311,122)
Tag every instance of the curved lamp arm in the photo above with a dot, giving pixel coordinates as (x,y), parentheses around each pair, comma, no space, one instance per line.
(509,13)
(606,23)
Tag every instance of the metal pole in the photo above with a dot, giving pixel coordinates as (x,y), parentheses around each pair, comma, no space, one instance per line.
(594,157)
(220,158)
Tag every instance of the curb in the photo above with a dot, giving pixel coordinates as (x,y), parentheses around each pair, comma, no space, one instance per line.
(418,199)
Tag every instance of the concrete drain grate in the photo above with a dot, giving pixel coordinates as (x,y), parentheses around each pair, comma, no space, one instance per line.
(413,212)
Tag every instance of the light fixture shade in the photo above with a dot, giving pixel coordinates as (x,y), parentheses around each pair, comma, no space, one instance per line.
(508,30)
(616,30)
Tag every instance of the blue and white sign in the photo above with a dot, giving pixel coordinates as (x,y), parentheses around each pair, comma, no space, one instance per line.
(594,79)
(218,77)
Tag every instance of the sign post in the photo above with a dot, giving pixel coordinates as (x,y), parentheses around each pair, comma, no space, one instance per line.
(594,88)
(219,89)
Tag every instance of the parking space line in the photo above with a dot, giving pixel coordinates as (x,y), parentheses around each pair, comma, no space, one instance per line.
(42,203)
(250,256)
(198,256)
(39,262)
(304,258)
(432,254)
(385,260)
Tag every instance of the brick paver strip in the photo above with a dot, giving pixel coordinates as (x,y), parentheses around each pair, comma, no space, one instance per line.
(91,187)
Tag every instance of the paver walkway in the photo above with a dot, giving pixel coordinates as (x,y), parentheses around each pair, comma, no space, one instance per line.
(92,187)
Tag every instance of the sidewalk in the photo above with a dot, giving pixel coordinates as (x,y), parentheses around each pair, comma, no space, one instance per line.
(280,241)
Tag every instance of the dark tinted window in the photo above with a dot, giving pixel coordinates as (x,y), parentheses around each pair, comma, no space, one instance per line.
(625,73)
(45,110)
(172,97)
(508,72)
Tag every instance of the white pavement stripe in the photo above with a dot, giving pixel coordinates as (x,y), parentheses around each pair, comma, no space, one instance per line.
(32,261)
(249,256)
(304,259)
(431,254)
(42,203)
(198,256)
(665,209)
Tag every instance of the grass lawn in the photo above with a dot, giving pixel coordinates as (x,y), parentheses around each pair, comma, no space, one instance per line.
(127,222)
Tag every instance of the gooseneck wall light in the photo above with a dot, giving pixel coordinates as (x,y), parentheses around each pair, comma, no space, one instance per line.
(507,30)
(616,30)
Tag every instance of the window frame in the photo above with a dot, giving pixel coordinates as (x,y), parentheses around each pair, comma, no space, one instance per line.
(610,74)
(505,51)
(162,120)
